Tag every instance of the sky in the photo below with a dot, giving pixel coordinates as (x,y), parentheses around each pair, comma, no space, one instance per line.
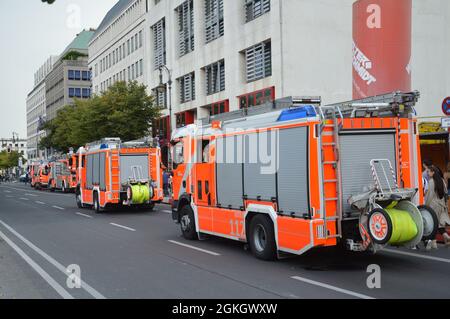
(30,32)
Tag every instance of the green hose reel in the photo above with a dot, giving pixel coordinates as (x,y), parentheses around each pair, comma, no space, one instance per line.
(139,194)
(404,229)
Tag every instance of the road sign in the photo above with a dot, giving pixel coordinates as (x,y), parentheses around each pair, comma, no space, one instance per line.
(445,122)
(446,106)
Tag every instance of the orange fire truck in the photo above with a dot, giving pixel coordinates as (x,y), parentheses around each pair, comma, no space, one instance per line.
(112,173)
(292,175)
(60,176)
(39,173)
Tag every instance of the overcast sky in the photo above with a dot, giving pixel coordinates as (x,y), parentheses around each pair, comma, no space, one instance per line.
(30,32)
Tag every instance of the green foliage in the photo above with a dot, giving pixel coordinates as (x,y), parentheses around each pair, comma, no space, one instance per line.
(73,55)
(9,160)
(124,111)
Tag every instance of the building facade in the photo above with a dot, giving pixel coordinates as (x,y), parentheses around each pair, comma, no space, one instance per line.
(14,145)
(36,110)
(70,77)
(116,51)
(227,55)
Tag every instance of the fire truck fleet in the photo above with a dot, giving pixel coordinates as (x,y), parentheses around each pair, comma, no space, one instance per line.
(285,177)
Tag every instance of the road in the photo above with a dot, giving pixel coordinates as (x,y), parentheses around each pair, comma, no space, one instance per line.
(141,254)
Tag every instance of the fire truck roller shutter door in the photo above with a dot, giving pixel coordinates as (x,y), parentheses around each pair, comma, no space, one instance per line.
(229,172)
(96,169)
(357,150)
(260,165)
(102,171)
(89,166)
(126,166)
(293,195)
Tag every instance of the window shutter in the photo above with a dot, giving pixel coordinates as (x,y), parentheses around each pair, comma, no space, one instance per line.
(259,61)
(159,34)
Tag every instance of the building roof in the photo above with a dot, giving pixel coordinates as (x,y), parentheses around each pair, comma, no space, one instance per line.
(112,14)
(80,42)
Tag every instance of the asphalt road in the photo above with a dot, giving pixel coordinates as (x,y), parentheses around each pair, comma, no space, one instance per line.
(141,254)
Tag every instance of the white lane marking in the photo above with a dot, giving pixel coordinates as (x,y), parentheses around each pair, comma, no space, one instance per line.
(94,293)
(32,195)
(39,202)
(7,191)
(9,196)
(52,282)
(23,198)
(84,215)
(124,227)
(195,248)
(57,207)
(344,291)
(399,252)
(31,190)
(167,211)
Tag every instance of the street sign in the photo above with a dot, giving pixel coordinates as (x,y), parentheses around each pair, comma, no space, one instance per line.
(445,122)
(446,106)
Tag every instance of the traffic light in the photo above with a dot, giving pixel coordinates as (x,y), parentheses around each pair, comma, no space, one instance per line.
(48,1)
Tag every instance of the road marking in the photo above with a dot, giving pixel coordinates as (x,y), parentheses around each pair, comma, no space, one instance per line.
(9,196)
(57,207)
(23,198)
(35,191)
(167,211)
(444,260)
(94,293)
(52,282)
(39,202)
(124,227)
(84,215)
(195,248)
(32,195)
(344,291)
(7,191)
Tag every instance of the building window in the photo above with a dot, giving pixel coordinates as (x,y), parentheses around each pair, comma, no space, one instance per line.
(132,71)
(159,38)
(71,75)
(96,69)
(86,76)
(141,63)
(186,27)
(255,9)
(140,39)
(128,46)
(218,108)
(136,42)
(257,98)
(184,118)
(86,93)
(258,61)
(214,27)
(71,92)
(187,87)
(215,77)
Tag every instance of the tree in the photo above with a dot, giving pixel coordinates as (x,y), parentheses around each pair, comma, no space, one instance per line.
(9,160)
(125,111)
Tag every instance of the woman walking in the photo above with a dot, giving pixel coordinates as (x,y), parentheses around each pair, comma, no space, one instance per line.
(436,199)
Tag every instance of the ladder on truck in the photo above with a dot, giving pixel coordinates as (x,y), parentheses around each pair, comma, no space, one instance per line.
(387,105)
(330,157)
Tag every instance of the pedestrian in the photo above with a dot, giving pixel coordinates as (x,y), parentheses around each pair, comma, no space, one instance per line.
(426,164)
(447,178)
(436,198)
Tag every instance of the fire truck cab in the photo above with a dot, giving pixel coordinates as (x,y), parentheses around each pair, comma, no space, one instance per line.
(293,175)
(112,173)
(39,175)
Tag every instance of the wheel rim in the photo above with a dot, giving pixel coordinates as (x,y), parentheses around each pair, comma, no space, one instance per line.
(96,204)
(378,226)
(185,223)
(260,238)
(428,222)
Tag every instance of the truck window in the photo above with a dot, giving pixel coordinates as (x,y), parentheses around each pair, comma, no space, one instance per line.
(178,154)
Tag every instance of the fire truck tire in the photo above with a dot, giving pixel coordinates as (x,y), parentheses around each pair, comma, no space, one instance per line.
(262,238)
(78,198)
(187,222)
(63,187)
(430,222)
(97,208)
(379,226)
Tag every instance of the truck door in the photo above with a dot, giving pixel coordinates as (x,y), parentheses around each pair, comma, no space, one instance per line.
(204,185)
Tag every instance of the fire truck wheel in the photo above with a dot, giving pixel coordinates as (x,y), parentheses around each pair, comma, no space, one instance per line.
(187,222)
(97,207)
(430,222)
(379,226)
(78,198)
(63,187)
(262,238)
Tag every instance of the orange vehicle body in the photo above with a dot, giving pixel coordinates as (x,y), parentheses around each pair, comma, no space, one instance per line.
(195,181)
(60,177)
(109,186)
(39,175)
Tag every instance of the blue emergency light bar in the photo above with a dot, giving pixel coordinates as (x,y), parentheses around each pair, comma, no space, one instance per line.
(301,112)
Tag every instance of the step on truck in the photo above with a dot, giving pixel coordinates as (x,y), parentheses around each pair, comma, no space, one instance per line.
(112,173)
(292,175)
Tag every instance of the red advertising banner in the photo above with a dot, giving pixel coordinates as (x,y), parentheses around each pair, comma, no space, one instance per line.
(381,47)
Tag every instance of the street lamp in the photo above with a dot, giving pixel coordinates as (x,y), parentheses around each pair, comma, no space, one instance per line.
(161,88)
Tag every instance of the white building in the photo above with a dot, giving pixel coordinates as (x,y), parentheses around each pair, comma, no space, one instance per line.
(14,145)
(116,51)
(224,55)
(36,110)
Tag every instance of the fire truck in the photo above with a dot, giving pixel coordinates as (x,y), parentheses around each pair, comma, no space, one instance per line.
(111,173)
(60,177)
(292,175)
(39,173)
